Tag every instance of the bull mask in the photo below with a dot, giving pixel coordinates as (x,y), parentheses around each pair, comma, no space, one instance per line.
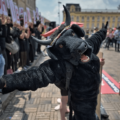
(69,38)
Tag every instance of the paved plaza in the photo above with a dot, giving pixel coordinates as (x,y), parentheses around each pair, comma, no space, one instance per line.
(39,104)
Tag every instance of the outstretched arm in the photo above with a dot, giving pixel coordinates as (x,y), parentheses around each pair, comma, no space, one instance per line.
(96,39)
(48,72)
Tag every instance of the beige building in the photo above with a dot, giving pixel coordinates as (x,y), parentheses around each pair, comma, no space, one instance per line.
(93,17)
(26,3)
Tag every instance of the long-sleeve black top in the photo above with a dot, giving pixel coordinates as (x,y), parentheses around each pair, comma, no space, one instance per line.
(2,36)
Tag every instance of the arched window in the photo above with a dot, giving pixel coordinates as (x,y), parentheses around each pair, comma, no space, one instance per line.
(113,19)
(98,18)
(82,19)
(118,18)
(72,18)
(87,18)
(103,19)
(77,18)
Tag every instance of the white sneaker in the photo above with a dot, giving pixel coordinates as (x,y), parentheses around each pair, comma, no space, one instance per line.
(59,100)
(57,107)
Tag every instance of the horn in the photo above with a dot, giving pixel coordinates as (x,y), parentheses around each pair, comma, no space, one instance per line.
(42,42)
(68,18)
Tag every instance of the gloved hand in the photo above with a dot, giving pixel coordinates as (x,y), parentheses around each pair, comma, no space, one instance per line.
(105,26)
(2,83)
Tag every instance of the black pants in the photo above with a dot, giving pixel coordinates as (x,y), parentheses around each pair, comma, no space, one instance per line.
(9,59)
(5,57)
(108,41)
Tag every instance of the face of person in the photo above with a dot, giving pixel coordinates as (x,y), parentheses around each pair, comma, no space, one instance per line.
(8,20)
(110,30)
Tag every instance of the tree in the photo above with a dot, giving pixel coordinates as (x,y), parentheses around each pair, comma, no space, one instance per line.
(118,7)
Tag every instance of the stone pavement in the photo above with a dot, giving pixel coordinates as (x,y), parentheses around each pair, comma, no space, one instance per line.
(111,102)
(39,104)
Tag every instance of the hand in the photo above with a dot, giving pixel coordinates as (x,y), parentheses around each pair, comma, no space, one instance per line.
(105,26)
(102,61)
(2,83)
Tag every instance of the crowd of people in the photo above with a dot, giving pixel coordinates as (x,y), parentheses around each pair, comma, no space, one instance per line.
(28,48)
(113,36)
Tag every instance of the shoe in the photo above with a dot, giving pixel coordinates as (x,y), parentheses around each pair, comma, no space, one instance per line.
(29,64)
(59,100)
(57,107)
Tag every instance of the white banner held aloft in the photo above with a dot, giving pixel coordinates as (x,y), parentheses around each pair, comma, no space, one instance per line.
(8,4)
(4,8)
(0,6)
(34,15)
(28,14)
(13,11)
(25,20)
(21,11)
(42,20)
(37,15)
(17,14)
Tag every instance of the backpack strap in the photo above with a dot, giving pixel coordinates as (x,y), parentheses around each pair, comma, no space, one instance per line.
(69,72)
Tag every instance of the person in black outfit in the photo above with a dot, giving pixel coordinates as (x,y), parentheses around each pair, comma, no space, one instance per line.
(2,40)
(9,40)
(15,33)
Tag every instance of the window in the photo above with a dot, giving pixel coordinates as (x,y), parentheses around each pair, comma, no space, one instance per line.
(72,18)
(103,18)
(113,25)
(87,18)
(108,18)
(92,25)
(82,19)
(98,25)
(87,25)
(113,18)
(93,18)
(118,18)
(98,19)
(118,24)
(77,18)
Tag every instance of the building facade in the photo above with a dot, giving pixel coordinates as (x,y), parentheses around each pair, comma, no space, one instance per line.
(26,3)
(93,17)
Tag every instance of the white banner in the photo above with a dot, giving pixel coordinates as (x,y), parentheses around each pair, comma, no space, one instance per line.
(25,20)
(8,4)
(34,15)
(21,11)
(12,11)
(17,14)
(37,15)
(28,14)
(42,20)
(0,6)
(4,8)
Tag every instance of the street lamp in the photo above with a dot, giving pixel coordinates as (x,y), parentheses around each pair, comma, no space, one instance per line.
(59,11)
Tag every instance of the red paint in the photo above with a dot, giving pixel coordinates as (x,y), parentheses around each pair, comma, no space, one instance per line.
(105,88)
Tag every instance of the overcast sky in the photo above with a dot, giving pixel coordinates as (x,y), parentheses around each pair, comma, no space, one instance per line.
(49,8)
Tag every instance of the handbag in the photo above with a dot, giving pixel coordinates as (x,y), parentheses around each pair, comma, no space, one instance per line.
(12,47)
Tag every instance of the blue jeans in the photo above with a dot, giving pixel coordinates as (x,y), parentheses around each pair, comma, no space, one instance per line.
(2,64)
